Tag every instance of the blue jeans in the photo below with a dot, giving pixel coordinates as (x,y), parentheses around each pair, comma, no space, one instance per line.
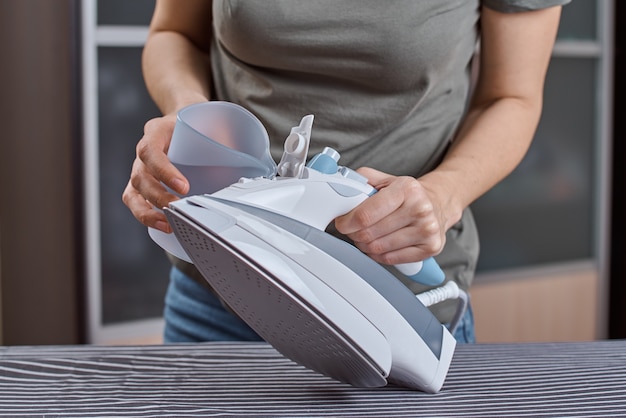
(194,314)
(464,332)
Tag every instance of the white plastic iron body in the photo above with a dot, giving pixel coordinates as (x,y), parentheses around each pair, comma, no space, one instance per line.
(273,278)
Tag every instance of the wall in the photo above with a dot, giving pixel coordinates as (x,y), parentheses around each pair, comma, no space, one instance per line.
(558,305)
(41,285)
(543,273)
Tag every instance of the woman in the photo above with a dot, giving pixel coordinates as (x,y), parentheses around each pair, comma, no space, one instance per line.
(391,88)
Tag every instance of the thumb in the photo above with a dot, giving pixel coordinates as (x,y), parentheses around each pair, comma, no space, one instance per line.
(375,178)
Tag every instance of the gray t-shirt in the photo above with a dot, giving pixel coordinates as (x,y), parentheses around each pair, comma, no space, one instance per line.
(387,81)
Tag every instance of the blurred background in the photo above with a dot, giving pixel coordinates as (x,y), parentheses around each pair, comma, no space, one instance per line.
(76,267)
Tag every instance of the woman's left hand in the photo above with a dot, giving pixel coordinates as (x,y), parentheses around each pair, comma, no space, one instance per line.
(401,223)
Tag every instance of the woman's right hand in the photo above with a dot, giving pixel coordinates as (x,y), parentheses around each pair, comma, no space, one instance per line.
(145,193)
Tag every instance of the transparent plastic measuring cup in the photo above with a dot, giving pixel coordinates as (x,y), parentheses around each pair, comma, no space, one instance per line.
(214,144)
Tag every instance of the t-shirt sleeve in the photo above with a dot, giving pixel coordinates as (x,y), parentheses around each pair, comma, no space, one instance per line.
(512,6)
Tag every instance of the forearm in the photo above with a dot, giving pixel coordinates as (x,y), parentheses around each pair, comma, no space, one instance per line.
(176,72)
(505,110)
(489,145)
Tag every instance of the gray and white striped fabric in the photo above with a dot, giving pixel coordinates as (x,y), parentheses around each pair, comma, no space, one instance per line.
(252,379)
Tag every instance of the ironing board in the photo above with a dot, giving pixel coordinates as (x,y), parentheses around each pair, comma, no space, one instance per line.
(252,379)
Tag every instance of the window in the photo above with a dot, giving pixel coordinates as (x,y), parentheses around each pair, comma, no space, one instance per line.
(551,210)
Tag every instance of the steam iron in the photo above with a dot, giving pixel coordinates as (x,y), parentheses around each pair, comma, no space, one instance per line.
(261,245)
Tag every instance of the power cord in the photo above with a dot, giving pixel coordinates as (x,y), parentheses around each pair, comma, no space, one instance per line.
(448,291)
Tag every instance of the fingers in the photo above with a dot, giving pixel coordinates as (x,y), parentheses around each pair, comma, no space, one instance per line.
(366,222)
(152,152)
(376,178)
(372,210)
(145,193)
(149,187)
(143,211)
(405,236)
(399,224)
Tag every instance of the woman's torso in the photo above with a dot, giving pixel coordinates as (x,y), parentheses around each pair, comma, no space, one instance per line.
(387,81)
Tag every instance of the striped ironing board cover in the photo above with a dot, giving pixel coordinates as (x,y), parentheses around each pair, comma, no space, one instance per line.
(251,379)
